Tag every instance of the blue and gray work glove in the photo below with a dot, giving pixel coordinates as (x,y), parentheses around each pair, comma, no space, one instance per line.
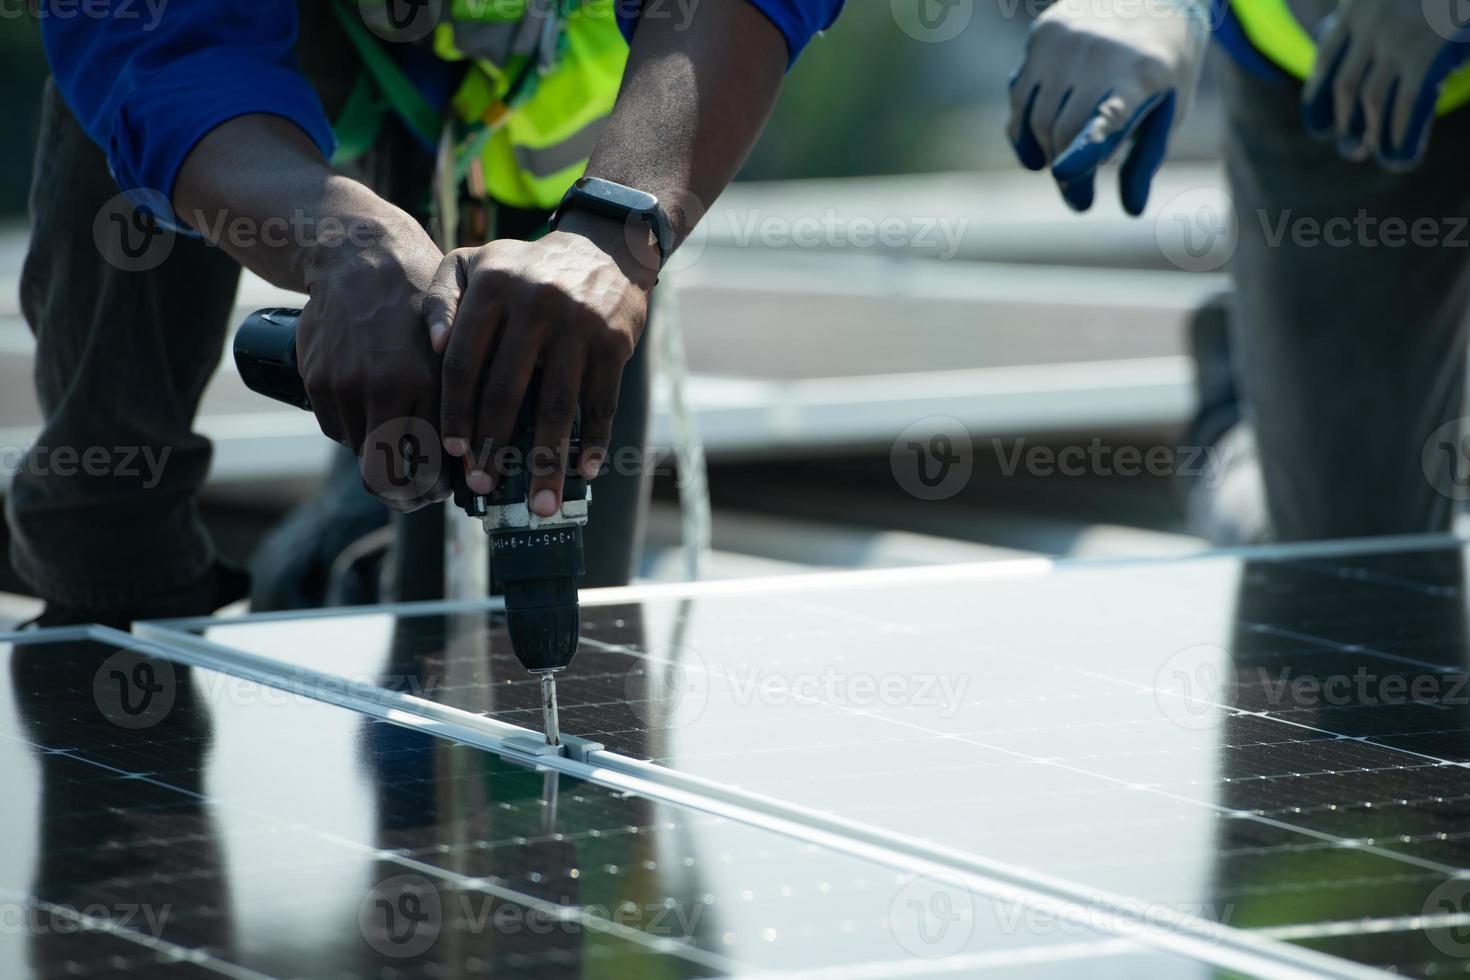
(1379,70)
(1099,75)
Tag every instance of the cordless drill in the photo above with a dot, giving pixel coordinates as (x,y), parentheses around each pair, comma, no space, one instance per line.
(535,561)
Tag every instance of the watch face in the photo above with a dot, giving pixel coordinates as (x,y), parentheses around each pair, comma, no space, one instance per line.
(614,200)
(639,202)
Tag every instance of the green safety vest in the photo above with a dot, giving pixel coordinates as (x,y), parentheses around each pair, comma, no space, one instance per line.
(531,105)
(1276,33)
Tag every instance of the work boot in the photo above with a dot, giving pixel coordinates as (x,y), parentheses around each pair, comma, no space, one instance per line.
(1224,500)
(1217,397)
(293,567)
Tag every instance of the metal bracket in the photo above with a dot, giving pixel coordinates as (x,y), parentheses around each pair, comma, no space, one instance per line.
(527,749)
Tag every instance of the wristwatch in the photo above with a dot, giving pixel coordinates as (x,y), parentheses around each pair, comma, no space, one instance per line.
(610,199)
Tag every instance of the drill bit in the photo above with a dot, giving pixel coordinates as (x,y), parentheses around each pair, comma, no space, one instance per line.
(548,708)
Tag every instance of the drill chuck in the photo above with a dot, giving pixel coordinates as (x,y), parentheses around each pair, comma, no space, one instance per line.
(543,618)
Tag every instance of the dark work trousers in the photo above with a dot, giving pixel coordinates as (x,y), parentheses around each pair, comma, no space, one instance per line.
(1351,352)
(122,357)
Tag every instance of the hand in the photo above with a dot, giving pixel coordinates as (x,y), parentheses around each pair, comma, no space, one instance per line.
(1379,69)
(573,304)
(370,372)
(364,357)
(1093,80)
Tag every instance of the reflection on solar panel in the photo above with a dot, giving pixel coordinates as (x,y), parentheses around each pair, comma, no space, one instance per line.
(1278,744)
(165,820)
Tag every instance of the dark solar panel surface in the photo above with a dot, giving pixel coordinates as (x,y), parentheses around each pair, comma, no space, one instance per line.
(1276,744)
(166,821)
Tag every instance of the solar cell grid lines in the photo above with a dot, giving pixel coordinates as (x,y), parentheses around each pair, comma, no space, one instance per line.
(1276,742)
(249,832)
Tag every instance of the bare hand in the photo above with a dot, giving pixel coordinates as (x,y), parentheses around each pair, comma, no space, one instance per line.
(368,367)
(572,304)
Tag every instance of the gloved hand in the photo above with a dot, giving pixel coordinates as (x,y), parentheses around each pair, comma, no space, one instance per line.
(1380,65)
(1092,80)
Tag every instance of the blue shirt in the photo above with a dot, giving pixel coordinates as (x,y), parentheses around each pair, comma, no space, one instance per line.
(148,88)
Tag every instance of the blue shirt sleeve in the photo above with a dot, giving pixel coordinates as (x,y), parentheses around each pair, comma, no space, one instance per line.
(148,89)
(798,20)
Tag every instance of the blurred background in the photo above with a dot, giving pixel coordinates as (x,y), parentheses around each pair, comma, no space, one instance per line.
(883,273)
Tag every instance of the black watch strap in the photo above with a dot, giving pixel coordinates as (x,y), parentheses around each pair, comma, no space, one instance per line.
(620,202)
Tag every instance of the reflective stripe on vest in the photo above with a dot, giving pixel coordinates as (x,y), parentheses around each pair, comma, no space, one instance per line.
(540,142)
(1274,30)
(543,79)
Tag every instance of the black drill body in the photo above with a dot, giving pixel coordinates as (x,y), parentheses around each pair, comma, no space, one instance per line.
(535,562)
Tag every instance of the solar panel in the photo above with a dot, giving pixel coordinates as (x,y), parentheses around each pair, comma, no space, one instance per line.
(168,820)
(1276,742)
